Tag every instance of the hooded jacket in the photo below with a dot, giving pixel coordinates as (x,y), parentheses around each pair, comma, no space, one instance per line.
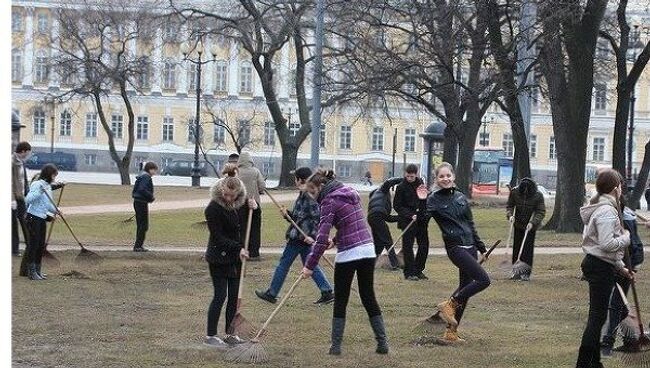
(380,201)
(250,176)
(603,234)
(224,223)
(527,203)
(143,188)
(340,207)
(451,211)
(407,203)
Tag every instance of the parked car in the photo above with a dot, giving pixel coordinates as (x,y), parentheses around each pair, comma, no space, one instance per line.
(63,161)
(183,168)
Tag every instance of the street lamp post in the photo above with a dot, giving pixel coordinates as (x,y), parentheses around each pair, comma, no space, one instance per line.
(434,138)
(185,49)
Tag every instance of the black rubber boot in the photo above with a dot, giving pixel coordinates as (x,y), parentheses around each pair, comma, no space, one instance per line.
(33,275)
(377,323)
(585,356)
(338,327)
(38,271)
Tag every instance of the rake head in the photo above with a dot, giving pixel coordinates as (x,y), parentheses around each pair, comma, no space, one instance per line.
(241,326)
(431,325)
(636,353)
(86,255)
(521,268)
(50,260)
(383,262)
(251,352)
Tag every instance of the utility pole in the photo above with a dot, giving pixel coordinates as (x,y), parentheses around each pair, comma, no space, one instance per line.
(316,95)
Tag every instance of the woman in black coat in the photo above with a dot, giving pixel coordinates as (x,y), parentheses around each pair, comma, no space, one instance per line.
(224,253)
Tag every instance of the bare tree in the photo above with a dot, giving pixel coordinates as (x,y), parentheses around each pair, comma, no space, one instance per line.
(94,60)
(240,130)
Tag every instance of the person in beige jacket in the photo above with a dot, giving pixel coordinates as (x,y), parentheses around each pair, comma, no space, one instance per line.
(604,241)
(255,185)
(19,189)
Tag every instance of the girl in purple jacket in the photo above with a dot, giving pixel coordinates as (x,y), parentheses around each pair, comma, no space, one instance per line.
(340,206)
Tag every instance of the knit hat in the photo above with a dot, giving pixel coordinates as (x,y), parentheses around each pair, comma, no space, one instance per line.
(302,173)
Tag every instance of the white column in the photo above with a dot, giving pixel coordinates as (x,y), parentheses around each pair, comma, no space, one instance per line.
(283,73)
(55,77)
(28,66)
(208,69)
(181,86)
(157,63)
(233,70)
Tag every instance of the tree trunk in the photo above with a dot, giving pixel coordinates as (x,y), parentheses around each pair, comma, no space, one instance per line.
(450,152)
(464,166)
(620,130)
(642,179)
(289,157)
(125,177)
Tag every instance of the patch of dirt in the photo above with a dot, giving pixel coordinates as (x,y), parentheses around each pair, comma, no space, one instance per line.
(428,340)
(76,275)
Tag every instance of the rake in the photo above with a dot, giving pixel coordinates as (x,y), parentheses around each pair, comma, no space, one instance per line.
(506,264)
(434,322)
(252,351)
(520,267)
(127,221)
(629,326)
(46,253)
(239,324)
(383,261)
(84,253)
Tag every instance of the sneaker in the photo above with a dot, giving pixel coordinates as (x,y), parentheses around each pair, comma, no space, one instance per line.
(412,278)
(233,340)
(266,296)
(140,249)
(325,298)
(422,276)
(215,342)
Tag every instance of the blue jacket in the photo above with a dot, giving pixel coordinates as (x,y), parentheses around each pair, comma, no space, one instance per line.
(143,188)
(37,202)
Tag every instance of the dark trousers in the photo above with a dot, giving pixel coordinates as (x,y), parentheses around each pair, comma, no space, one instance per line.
(413,265)
(256,230)
(18,218)
(382,238)
(224,288)
(529,248)
(472,278)
(142,222)
(617,310)
(343,275)
(37,230)
(601,277)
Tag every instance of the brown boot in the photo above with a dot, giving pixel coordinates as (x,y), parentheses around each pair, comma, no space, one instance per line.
(451,335)
(448,311)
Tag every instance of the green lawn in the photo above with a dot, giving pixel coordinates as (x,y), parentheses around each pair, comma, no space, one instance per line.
(149,310)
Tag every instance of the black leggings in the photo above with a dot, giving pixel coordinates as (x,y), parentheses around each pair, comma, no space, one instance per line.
(37,229)
(223,287)
(142,222)
(529,248)
(343,275)
(472,278)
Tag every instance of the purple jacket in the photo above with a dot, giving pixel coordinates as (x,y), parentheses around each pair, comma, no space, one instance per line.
(340,206)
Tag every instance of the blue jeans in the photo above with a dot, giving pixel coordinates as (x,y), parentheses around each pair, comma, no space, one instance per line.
(291,251)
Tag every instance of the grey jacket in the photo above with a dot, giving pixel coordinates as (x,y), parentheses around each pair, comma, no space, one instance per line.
(250,176)
(603,234)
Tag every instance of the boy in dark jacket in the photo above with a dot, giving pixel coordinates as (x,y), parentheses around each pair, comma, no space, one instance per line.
(379,213)
(527,205)
(407,205)
(306,214)
(143,195)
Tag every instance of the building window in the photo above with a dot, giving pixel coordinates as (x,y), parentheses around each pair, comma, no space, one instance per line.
(377,138)
(192,77)
(598,149)
(90,159)
(39,122)
(246,78)
(552,153)
(269,133)
(16,65)
(322,136)
(65,124)
(43,23)
(117,125)
(533,146)
(16,22)
(294,127)
(244,136)
(142,128)
(600,97)
(346,137)
(219,133)
(508,145)
(191,127)
(221,76)
(484,139)
(144,77)
(409,140)
(41,69)
(168,129)
(169,31)
(169,75)
(268,168)
(91,125)
(344,171)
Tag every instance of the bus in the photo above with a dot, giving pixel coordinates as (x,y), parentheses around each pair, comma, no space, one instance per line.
(491,170)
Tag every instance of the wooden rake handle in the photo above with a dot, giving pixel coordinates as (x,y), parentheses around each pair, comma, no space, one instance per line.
(275,311)
(634,293)
(401,235)
(58,202)
(64,221)
(247,238)
(489,251)
(523,242)
(512,225)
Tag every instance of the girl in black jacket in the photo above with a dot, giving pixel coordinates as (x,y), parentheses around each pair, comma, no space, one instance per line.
(450,209)
(224,253)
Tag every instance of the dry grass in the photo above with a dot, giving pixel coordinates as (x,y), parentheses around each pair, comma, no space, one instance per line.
(149,310)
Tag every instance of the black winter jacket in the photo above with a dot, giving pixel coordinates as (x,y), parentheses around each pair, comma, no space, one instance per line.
(636,245)
(407,204)
(143,188)
(380,201)
(527,203)
(224,222)
(451,211)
